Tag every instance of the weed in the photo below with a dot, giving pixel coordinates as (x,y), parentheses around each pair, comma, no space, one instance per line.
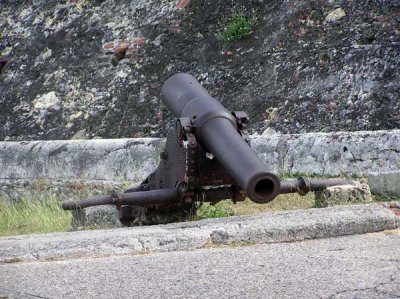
(241,244)
(228,208)
(13,260)
(222,209)
(295,175)
(385,197)
(238,27)
(282,202)
(40,184)
(39,214)
(319,204)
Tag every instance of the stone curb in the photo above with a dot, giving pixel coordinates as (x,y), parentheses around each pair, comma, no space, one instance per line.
(274,227)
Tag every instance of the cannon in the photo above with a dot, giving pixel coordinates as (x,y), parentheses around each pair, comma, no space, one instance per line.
(207,158)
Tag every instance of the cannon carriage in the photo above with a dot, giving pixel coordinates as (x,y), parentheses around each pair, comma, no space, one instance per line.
(207,158)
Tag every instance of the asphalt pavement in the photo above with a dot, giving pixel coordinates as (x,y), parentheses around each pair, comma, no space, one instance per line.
(337,252)
(359,266)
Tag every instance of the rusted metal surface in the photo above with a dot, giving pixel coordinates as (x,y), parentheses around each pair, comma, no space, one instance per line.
(217,130)
(207,158)
(139,198)
(303,185)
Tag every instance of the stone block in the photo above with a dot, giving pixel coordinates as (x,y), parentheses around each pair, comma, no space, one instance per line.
(385,183)
(344,194)
(96,217)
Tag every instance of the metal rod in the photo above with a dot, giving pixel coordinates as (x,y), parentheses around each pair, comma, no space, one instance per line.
(151,197)
(139,198)
(303,185)
(89,202)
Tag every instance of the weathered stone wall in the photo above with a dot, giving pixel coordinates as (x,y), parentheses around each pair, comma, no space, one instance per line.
(93,162)
(67,168)
(338,153)
(86,160)
(325,65)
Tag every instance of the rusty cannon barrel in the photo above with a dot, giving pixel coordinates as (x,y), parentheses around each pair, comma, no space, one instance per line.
(216,130)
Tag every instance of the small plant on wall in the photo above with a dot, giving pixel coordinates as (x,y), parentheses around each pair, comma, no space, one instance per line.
(237,27)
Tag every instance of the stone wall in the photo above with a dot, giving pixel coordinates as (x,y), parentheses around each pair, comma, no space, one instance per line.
(308,66)
(349,153)
(110,162)
(70,168)
(86,160)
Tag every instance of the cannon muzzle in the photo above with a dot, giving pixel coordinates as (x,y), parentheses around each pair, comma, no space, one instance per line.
(216,129)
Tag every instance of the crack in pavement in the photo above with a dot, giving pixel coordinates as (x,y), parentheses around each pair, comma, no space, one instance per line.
(373,288)
(21,293)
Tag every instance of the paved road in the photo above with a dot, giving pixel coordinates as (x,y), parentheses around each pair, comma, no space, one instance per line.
(361,266)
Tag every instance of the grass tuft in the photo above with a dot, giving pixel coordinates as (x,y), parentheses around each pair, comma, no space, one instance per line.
(228,208)
(41,214)
(12,261)
(238,27)
(385,197)
(221,209)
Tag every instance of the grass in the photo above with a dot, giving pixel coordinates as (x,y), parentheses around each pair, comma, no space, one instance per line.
(221,209)
(228,208)
(296,175)
(238,27)
(12,261)
(385,197)
(283,202)
(37,215)
(40,211)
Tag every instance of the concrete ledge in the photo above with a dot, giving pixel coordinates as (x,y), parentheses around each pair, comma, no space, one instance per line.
(335,153)
(98,159)
(132,160)
(261,228)
(62,165)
